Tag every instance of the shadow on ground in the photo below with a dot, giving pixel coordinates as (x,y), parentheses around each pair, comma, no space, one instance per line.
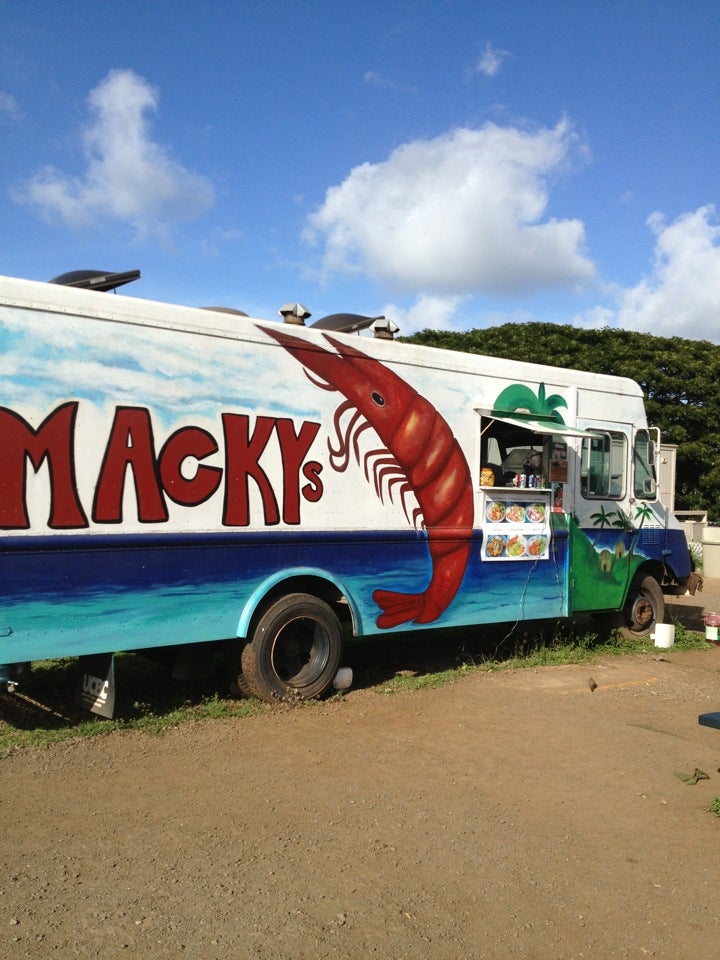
(690,611)
(46,696)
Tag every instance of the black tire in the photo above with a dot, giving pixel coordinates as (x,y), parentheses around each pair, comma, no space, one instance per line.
(644,607)
(232,653)
(295,651)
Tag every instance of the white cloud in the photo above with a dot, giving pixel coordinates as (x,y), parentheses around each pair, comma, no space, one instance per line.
(456,215)
(490,60)
(128,176)
(376,79)
(595,318)
(219,238)
(682,296)
(9,105)
(427,313)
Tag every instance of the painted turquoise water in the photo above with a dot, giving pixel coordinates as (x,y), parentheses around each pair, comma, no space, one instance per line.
(83,621)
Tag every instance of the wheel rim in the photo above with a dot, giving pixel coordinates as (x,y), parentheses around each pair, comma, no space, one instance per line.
(300,651)
(642,613)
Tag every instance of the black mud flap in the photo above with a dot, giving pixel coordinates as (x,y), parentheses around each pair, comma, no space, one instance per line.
(96,689)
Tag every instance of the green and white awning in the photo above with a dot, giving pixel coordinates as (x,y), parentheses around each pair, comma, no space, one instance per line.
(543,425)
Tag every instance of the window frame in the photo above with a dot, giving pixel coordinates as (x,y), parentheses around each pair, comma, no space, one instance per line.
(613,439)
(648,465)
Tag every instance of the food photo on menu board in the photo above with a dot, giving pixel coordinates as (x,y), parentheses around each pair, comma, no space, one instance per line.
(516,530)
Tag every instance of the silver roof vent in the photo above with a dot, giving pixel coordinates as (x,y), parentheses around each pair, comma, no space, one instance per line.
(384,329)
(294,313)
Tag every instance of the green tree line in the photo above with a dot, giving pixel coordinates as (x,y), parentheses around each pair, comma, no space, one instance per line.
(680,379)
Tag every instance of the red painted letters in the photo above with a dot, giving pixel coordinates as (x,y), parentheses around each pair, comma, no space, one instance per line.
(130,448)
(177,473)
(50,443)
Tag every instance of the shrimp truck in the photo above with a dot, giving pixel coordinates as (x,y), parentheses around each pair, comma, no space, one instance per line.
(173,475)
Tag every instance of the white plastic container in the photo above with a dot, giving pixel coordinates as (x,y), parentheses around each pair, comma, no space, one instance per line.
(343,678)
(664,635)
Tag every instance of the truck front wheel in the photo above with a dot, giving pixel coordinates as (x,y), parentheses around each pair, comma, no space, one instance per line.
(295,651)
(644,607)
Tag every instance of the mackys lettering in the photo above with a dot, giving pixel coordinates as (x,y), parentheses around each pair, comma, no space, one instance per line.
(179,472)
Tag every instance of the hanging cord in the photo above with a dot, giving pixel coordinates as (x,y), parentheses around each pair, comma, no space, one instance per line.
(520,616)
(521,611)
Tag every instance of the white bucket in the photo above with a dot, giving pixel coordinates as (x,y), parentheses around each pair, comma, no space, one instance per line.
(664,635)
(343,678)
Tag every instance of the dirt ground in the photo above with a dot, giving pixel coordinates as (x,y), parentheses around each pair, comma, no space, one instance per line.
(506,815)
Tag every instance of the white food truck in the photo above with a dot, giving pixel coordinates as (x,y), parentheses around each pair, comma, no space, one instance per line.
(173,475)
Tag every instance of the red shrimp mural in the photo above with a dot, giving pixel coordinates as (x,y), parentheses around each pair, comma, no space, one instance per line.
(419,455)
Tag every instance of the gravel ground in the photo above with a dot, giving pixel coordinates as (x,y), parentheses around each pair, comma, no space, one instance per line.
(690,610)
(505,815)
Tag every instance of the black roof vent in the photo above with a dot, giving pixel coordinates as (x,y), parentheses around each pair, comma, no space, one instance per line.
(232,310)
(344,322)
(95,279)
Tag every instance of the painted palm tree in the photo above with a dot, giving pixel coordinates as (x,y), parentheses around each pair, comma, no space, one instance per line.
(621,521)
(519,398)
(603,518)
(643,512)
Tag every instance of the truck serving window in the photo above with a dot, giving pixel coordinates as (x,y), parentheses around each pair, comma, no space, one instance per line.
(603,466)
(504,449)
(645,481)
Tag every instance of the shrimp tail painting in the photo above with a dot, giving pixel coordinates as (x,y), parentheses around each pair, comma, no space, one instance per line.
(417,455)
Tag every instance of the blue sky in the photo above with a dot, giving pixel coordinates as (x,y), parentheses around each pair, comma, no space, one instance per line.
(450,163)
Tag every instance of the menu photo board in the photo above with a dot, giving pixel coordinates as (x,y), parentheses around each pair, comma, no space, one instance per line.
(516,525)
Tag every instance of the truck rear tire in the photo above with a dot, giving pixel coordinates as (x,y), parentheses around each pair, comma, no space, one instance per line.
(644,607)
(238,682)
(295,651)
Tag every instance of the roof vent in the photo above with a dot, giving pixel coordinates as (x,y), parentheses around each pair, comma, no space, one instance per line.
(232,310)
(384,329)
(294,313)
(95,279)
(344,322)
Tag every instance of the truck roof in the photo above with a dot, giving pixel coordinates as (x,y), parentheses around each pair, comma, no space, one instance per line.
(232,324)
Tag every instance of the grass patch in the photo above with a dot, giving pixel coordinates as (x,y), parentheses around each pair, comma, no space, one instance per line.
(414,661)
(715,807)
(44,712)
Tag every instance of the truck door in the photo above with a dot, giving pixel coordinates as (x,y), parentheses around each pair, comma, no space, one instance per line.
(602,537)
